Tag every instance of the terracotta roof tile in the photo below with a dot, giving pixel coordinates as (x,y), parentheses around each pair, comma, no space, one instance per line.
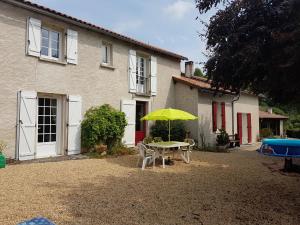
(99,29)
(198,82)
(267,115)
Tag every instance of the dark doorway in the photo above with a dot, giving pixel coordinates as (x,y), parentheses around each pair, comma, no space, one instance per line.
(140,126)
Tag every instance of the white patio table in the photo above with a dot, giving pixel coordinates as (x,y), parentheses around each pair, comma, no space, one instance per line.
(161,147)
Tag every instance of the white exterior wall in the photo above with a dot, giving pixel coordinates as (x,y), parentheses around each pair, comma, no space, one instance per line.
(248,104)
(187,98)
(95,84)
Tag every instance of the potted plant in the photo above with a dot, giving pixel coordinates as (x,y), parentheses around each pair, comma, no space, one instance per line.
(222,140)
(2,157)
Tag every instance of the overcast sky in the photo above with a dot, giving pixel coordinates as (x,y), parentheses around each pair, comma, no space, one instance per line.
(169,24)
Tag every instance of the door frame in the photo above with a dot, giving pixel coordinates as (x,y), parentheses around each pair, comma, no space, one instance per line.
(59,123)
(145,125)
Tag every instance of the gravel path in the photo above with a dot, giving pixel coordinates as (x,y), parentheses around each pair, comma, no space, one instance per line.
(216,188)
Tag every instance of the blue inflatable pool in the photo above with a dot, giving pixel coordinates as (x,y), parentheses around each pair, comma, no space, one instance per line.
(288,148)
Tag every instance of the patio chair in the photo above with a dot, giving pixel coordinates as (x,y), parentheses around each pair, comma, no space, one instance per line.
(188,149)
(147,140)
(146,154)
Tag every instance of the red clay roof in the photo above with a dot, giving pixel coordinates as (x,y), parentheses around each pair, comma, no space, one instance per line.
(99,29)
(267,115)
(198,82)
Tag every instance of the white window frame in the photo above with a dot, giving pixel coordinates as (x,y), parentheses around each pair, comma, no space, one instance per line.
(107,49)
(49,56)
(138,74)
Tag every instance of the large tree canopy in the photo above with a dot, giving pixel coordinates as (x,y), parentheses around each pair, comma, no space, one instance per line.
(255,45)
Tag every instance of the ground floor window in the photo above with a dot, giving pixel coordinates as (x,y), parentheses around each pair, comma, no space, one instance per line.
(47,117)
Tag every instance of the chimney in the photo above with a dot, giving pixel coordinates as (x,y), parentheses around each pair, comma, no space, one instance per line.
(189,68)
(270,110)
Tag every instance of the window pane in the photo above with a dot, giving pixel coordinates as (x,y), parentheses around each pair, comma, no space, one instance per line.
(47,101)
(44,51)
(47,119)
(46,137)
(53,137)
(53,119)
(104,54)
(41,110)
(47,110)
(40,120)
(40,129)
(54,53)
(54,36)
(45,33)
(41,101)
(53,111)
(40,138)
(53,128)
(53,102)
(45,42)
(47,128)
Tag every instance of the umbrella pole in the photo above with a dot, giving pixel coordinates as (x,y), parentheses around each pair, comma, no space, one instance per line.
(169,131)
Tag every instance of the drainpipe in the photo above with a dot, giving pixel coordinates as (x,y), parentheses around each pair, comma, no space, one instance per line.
(235,98)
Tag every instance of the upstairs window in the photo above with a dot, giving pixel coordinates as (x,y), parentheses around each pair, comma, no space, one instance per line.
(50,43)
(141,77)
(106,54)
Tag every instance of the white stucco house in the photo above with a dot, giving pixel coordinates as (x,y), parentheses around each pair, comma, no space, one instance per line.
(54,67)
(225,110)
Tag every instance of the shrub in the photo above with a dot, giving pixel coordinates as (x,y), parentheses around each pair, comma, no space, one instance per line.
(295,133)
(222,138)
(161,129)
(266,133)
(102,125)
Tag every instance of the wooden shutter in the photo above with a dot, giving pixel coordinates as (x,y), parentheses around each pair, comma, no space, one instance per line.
(249,127)
(240,127)
(26,124)
(214,115)
(128,107)
(72,46)
(34,37)
(153,75)
(223,113)
(74,121)
(132,71)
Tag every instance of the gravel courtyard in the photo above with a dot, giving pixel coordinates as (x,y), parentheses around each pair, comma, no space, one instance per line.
(216,188)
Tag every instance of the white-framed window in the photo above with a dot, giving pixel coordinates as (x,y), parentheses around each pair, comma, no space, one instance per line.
(106,54)
(141,74)
(50,43)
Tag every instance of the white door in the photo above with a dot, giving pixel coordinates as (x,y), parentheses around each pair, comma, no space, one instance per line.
(128,107)
(48,126)
(244,129)
(26,125)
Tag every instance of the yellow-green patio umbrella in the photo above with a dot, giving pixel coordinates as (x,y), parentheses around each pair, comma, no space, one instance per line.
(168,115)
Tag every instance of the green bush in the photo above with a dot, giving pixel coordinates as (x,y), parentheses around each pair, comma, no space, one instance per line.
(295,133)
(102,125)
(161,129)
(265,133)
(222,138)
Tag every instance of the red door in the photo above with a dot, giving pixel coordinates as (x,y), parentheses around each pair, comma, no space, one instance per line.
(140,126)
(240,127)
(249,127)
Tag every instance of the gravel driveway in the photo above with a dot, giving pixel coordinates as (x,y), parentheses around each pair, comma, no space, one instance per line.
(216,188)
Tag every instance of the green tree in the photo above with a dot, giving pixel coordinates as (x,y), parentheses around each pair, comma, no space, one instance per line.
(198,73)
(255,45)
